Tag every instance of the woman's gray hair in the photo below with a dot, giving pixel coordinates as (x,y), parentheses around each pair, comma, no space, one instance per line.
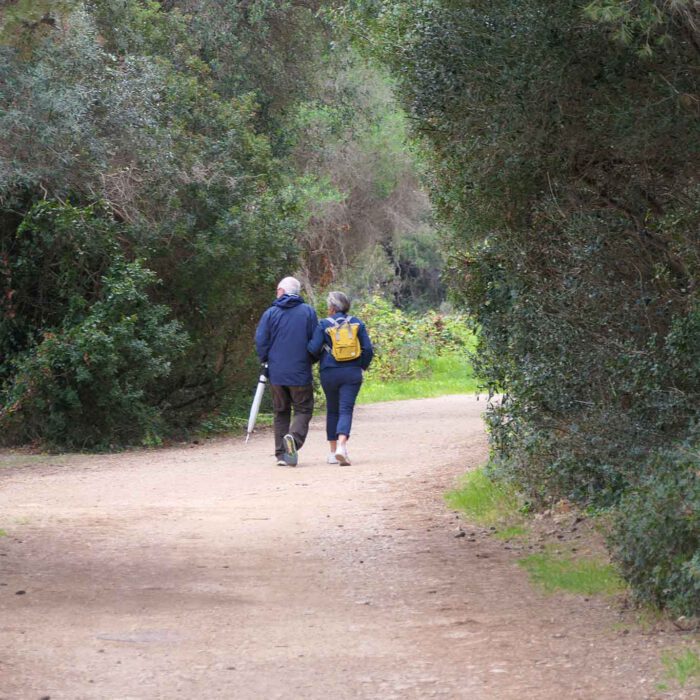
(339,302)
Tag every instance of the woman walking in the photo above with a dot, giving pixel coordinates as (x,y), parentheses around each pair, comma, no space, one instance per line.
(343,345)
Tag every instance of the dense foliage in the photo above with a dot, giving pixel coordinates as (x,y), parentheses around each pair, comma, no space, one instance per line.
(562,139)
(119,153)
(405,342)
(162,165)
(87,345)
(657,538)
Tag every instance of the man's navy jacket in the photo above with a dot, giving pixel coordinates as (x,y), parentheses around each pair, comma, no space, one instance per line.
(281,339)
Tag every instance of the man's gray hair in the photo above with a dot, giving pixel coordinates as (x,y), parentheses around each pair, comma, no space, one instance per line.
(339,302)
(290,285)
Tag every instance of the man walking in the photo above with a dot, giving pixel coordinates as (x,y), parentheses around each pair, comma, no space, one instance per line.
(283,333)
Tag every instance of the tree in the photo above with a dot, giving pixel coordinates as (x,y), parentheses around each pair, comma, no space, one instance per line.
(560,137)
(124,119)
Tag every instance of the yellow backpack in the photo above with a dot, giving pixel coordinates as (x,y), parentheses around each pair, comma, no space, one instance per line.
(344,343)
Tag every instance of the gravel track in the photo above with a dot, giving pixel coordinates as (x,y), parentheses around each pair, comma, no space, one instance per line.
(205,571)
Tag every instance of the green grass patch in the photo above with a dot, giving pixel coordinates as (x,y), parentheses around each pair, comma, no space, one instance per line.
(682,667)
(484,501)
(3,533)
(583,576)
(445,375)
(512,532)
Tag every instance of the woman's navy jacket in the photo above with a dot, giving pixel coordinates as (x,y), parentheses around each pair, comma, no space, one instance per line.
(318,343)
(281,338)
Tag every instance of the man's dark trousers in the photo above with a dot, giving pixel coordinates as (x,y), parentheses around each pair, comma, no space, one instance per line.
(284,398)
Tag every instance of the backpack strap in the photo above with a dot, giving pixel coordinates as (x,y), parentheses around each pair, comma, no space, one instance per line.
(334,323)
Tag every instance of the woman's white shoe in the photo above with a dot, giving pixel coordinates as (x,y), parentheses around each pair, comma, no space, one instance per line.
(341,456)
(331,459)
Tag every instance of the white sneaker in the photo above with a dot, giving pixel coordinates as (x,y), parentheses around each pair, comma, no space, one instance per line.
(341,455)
(331,459)
(281,463)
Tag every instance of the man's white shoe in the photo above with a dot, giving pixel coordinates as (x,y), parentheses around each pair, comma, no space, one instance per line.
(341,455)
(281,463)
(331,459)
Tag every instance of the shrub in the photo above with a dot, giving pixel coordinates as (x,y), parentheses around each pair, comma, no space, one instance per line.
(404,343)
(558,136)
(656,539)
(92,383)
(85,348)
(401,348)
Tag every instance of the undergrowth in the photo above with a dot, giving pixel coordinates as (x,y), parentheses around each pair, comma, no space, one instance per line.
(497,505)
(583,576)
(682,667)
(484,501)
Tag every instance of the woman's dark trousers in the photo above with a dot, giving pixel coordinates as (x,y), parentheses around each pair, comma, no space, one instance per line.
(341,386)
(284,398)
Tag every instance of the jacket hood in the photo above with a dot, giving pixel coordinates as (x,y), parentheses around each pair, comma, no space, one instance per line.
(288,301)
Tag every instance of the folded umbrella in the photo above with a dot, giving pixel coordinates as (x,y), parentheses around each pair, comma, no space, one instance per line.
(257,399)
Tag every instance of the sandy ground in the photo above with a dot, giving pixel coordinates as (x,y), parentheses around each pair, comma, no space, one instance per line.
(207,572)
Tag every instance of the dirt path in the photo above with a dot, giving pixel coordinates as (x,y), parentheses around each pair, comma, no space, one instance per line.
(207,572)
